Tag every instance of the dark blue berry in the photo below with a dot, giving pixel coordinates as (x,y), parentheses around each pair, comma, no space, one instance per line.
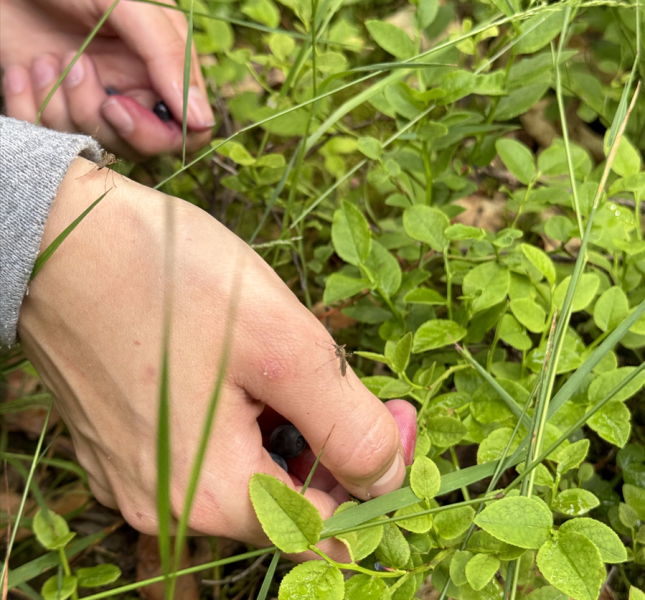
(278,460)
(379,567)
(161,110)
(287,441)
(110,91)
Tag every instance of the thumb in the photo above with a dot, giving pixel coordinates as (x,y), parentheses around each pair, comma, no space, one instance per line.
(363,447)
(149,32)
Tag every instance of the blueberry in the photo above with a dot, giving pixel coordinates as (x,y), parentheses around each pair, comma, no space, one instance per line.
(110,91)
(287,441)
(278,460)
(379,567)
(161,110)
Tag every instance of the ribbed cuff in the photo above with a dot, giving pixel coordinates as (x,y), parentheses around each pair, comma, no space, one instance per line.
(33,164)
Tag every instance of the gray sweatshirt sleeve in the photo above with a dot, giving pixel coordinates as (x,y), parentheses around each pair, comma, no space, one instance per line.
(33,163)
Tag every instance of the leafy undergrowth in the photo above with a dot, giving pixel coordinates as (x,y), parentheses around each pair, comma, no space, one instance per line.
(455,190)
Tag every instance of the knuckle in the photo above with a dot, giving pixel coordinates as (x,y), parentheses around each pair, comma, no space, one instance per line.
(367,457)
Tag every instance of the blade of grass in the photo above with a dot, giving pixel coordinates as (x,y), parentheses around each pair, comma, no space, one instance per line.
(164,462)
(575,427)
(504,395)
(188,571)
(67,69)
(188,61)
(24,403)
(563,117)
(25,493)
(47,252)
(268,578)
(191,490)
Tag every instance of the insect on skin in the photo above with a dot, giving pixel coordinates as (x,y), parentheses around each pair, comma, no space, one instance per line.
(106,160)
(341,354)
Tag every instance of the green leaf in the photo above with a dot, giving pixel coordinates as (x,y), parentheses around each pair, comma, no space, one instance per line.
(540,260)
(571,456)
(529,313)
(488,284)
(424,296)
(262,11)
(445,431)
(98,575)
(313,580)
(520,521)
(426,224)
(520,100)
(350,234)
(584,294)
(370,147)
(339,287)
(51,530)
(627,160)
(518,159)
(604,383)
(611,308)
(513,334)
(401,355)
(463,232)
(363,542)
(458,566)
(453,522)
(426,12)
(612,423)
(604,538)
(635,497)
(392,39)
(288,518)
(235,151)
(540,30)
(480,569)
(436,334)
(636,594)
(281,45)
(572,564)
(394,550)
(546,593)
(575,502)
(493,445)
(419,524)
(51,591)
(425,478)
(384,269)
(627,515)
(364,587)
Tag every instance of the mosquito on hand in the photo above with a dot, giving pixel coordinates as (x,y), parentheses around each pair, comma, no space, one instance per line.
(107,159)
(341,354)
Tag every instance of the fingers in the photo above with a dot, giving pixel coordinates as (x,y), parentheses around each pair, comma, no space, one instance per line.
(364,451)
(162,49)
(18,94)
(45,72)
(405,416)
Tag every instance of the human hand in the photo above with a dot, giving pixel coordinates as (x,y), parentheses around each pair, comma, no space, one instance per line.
(139,52)
(92,326)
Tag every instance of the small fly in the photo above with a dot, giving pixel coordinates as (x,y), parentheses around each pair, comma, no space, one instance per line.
(341,354)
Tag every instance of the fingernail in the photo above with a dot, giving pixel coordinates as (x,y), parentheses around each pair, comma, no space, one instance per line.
(43,73)
(117,116)
(14,80)
(76,73)
(391,480)
(199,110)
